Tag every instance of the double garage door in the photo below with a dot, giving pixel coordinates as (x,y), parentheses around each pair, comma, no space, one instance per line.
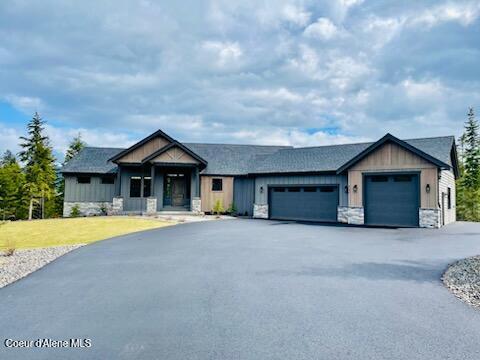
(310,203)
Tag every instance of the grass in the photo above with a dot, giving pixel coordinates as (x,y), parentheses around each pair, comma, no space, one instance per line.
(58,232)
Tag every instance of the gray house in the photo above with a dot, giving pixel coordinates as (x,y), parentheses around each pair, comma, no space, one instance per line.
(391,182)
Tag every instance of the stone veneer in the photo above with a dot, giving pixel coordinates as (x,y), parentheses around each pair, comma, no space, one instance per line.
(196,205)
(87,208)
(151,205)
(260,211)
(117,206)
(429,218)
(351,215)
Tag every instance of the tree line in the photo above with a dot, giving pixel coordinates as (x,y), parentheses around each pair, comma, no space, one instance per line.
(31,185)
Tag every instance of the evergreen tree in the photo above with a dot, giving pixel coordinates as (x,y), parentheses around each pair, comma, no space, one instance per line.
(76,145)
(12,181)
(8,158)
(468,186)
(39,167)
(471,177)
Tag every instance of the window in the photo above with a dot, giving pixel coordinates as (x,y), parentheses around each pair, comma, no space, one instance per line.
(449,198)
(279,189)
(135,186)
(217,184)
(147,183)
(379,178)
(294,189)
(83,179)
(327,189)
(402,178)
(310,189)
(108,180)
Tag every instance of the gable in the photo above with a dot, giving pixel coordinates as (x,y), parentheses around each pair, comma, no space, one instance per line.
(146,149)
(391,156)
(175,155)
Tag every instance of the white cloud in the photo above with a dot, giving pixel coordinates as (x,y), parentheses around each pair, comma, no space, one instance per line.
(323,29)
(9,139)
(296,15)
(280,94)
(294,137)
(25,104)
(461,12)
(226,53)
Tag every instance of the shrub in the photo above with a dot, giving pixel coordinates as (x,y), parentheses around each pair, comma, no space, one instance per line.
(232,209)
(75,211)
(218,208)
(104,209)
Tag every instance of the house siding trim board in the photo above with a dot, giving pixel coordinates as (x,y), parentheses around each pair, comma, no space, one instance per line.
(247,176)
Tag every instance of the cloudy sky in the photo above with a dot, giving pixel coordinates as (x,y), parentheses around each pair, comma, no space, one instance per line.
(271,72)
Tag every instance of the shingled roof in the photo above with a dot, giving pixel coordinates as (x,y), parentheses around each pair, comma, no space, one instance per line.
(226,159)
(332,157)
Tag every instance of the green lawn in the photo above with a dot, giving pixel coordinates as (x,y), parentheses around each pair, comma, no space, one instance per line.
(56,232)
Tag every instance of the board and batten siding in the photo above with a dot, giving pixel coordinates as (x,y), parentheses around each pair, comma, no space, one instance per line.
(209,197)
(244,195)
(93,192)
(390,158)
(447,180)
(140,153)
(265,181)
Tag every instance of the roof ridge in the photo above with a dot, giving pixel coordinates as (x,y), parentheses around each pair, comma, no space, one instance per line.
(281,146)
(102,147)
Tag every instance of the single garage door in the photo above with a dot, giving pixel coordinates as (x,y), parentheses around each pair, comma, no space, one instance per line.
(311,203)
(392,200)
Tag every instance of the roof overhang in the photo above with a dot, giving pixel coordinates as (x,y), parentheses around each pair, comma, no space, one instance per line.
(393,139)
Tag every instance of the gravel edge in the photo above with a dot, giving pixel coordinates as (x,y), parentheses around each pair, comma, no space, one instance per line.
(25,262)
(462,278)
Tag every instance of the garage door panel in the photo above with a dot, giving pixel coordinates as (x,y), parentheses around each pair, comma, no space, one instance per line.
(392,200)
(315,203)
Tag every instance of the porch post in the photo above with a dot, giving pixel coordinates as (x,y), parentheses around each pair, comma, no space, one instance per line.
(152,181)
(118,185)
(197,182)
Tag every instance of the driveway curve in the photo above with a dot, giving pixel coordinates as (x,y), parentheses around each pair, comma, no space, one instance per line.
(250,289)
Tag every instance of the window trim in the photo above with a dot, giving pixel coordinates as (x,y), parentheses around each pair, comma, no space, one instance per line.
(221,184)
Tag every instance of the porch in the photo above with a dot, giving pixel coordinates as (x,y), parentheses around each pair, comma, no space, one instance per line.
(152,188)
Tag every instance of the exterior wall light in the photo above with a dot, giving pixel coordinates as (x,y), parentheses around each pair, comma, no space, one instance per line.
(355,188)
(261,189)
(427,188)
(346,189)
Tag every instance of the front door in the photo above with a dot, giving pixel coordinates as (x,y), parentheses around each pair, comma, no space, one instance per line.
(178,191)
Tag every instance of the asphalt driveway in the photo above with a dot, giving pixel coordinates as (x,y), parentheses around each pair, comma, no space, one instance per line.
(251,289)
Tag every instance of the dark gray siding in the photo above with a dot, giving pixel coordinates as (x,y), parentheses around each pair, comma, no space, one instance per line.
(244,195)
(265,181)
(129,203)
(93,192)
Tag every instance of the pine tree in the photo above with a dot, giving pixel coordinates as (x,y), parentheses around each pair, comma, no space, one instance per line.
(8,158)
(12,181)
(468,186)
(76,145)
(39,166)
(471,178)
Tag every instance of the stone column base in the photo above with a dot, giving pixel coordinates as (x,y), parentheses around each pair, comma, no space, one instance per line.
(196,205)
(117,206)
(429,218)
(351,215)
(260,211)
(151,205)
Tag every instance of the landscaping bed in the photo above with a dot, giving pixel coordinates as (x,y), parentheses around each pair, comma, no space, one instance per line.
(463,280)
(23,262)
